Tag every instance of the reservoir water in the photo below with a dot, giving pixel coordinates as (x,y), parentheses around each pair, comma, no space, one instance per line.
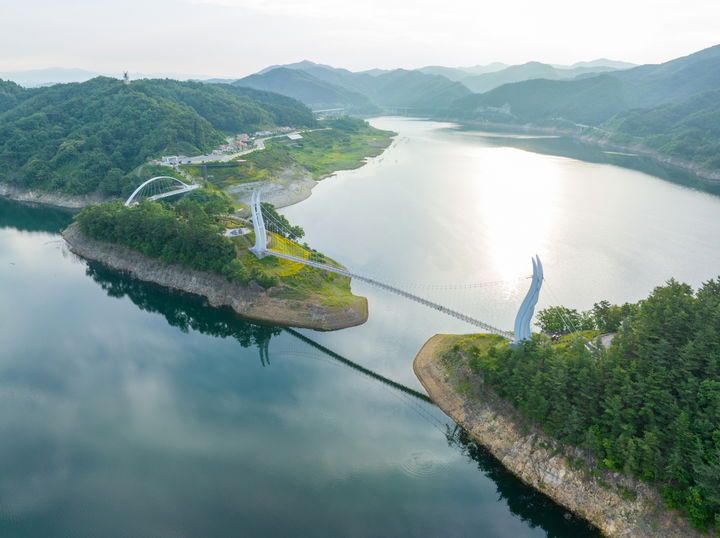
(128,410)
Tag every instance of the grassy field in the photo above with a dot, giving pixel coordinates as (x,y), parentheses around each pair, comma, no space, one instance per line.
(296,281)
(223,175)
(323,152)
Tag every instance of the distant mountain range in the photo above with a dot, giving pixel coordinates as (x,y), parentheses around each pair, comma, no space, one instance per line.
(324,87)
(595,99)
(420,91)
(531,70)
(311,90)
(672,108)
(459,73)
(663,107)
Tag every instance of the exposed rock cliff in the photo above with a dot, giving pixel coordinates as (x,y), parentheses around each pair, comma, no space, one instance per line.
(617,505)
(252,301)
(58,199)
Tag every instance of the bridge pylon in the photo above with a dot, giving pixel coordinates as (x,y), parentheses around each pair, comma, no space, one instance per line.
(527,307)
(260,250)
(260,247)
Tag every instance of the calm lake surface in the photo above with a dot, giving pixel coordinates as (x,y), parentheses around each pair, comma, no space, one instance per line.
(127,410)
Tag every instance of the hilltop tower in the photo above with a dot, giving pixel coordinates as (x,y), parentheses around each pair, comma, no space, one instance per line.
(126,78)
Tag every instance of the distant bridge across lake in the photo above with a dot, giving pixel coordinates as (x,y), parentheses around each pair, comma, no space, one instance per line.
(303,256)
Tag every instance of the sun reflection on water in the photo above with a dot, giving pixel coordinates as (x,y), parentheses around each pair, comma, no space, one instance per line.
(515,193)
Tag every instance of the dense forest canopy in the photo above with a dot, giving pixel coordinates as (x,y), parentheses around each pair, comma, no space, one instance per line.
(688,130)
(648,406)
(70,137)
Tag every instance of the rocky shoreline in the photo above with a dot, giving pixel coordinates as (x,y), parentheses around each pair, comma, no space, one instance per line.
(57,199)
(619,506)
(251,302)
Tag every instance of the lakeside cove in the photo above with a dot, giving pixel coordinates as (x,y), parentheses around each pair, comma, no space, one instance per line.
(592,144)
(251,302)
(620,506)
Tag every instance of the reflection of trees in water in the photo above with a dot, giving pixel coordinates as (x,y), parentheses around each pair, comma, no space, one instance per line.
(186,311)
(183,310)
(32,218)
(530,505)
(583,151)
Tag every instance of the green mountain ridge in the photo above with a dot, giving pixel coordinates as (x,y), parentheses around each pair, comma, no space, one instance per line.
(82,137)
(305,87)
(688,130)
(671,108)
(323,86)
(528,71)
(596,99)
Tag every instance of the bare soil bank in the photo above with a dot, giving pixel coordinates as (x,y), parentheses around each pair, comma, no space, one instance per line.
(617,505)
(251,302)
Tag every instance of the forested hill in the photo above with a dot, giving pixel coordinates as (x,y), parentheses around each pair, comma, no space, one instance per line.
(82,137)
(322,86)
(596,99)
(689,130)
(10,95)
(648,406)
(314,92)
(670,108)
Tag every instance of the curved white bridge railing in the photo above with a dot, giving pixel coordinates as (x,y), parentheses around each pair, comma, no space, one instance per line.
(183,187)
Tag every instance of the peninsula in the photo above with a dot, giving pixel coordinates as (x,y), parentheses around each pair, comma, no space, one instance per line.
(624,436)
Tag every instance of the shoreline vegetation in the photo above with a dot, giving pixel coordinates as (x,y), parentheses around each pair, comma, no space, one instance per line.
(619,506)
(286,170)
(614,412)
(594,137)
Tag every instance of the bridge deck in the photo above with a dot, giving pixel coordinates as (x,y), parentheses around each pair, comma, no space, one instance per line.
(174,192)
(393,289)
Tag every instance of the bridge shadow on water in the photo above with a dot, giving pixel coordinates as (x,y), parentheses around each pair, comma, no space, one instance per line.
(189,312)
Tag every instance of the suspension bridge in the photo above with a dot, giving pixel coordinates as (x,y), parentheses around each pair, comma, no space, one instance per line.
(303,256)
(160,187)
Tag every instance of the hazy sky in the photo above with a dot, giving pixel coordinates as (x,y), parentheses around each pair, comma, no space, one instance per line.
(233,38)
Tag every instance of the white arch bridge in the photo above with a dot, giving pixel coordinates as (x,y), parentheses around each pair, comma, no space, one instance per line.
(159,187)
(522,319)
